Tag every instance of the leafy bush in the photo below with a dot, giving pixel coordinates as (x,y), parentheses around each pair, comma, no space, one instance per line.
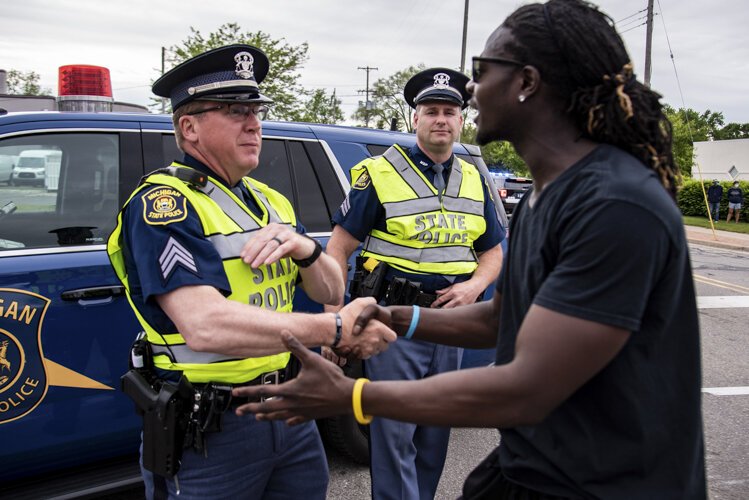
(692,202)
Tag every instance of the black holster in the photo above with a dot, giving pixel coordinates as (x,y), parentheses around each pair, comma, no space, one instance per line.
(164,407)
(368,284)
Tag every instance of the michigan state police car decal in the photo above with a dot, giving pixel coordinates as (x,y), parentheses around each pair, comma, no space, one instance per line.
(25,374)
(163,205)
(23,378)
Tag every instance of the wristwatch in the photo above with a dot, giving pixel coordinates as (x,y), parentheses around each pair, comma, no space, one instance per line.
(312,258)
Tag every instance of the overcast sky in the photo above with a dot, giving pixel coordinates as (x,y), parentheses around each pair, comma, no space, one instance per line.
(708,40)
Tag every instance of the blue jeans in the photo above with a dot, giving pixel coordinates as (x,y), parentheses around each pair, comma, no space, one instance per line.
(714,210)
(407,459)
(252,460)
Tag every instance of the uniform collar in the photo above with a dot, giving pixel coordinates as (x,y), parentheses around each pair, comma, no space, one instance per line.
(423,162)
(192,162)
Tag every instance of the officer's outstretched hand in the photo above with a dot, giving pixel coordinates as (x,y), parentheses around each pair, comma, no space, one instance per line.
(274,242)
(366,339)
(320,390)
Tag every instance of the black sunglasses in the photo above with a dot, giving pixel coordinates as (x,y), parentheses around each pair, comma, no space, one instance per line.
(477,70)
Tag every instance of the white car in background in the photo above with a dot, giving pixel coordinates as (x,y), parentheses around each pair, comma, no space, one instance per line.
(34,164)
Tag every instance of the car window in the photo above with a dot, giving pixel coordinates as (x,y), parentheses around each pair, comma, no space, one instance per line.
(273,168)
(169,150)
(62,189)
(311,208)
(278,159)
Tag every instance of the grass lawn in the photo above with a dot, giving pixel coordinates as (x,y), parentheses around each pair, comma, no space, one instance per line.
(741,227)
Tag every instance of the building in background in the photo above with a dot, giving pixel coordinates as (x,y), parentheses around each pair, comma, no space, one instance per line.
(726,160)
(80,88)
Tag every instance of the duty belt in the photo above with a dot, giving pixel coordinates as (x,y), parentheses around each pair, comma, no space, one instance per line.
(403,292)
(211,400)
(269,378)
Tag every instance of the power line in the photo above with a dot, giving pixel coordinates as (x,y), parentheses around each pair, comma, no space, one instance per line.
(631,21)
(676,73)
(631,15)
(633,28)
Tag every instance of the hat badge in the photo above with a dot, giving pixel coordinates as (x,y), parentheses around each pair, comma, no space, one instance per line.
(244,62)
(441,80)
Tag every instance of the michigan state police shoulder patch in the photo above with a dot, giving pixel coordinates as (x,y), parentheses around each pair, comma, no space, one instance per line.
(163,205)
(363,181)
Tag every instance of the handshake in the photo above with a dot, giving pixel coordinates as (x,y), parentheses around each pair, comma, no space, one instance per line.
(366,331)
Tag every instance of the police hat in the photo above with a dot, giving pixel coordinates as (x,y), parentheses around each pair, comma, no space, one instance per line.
(229,73)
(437,84)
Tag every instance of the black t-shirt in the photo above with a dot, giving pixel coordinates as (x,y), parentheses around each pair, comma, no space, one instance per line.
(605,242)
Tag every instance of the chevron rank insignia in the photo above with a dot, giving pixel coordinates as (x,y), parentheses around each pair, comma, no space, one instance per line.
(173,256)
(163,205)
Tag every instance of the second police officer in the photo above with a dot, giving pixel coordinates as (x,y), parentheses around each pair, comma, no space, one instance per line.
(432,238)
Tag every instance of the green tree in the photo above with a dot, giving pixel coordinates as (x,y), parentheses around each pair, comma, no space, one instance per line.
(494,153)
(321,108)
(388,102)
(734,131)
(282,82)
(20,83)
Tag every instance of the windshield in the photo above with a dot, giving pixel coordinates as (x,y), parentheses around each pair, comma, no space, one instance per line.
(27,162)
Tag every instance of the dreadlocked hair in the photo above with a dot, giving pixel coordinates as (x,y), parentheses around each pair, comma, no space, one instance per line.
(580,55)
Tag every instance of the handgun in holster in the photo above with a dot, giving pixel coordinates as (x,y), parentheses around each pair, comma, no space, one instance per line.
(163,406)
(369,278)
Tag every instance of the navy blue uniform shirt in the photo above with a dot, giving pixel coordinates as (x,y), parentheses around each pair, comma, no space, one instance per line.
(361,212)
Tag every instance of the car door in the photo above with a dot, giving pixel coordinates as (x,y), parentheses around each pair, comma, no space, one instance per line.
(65,326)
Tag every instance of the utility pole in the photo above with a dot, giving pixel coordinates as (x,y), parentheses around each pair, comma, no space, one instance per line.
(648,42)
(366,91)
(465,33)
(163,99)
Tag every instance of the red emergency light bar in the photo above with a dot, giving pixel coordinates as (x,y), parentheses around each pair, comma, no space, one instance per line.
(84,80)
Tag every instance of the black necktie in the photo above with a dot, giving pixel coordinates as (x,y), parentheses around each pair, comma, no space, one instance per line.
(439,180)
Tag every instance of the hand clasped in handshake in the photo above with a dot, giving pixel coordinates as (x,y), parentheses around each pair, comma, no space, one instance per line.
(364,332)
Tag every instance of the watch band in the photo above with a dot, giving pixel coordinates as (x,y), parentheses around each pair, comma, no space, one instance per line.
(312,258)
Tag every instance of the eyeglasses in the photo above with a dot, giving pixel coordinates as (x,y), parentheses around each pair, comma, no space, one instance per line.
(477,70)
(238,111)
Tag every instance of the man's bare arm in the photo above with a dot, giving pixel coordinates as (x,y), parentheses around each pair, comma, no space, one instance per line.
(555,355)
(211,323)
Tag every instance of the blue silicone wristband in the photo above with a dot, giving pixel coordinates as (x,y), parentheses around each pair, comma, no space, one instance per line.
(414,323)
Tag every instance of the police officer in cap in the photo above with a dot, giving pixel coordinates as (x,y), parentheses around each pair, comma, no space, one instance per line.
(210,259)
(427,216)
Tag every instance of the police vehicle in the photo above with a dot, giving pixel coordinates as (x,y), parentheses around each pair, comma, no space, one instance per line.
(65,324)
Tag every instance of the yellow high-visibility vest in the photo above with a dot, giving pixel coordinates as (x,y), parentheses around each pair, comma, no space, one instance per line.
(228,224)
(426,233)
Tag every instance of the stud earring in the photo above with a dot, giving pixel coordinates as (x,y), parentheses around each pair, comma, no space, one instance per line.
(521,98)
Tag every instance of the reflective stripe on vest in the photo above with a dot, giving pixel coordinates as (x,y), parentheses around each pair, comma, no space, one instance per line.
(228,225)
(457,253)
(424,234)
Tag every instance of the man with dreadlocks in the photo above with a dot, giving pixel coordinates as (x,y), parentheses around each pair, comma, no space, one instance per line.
(596,387)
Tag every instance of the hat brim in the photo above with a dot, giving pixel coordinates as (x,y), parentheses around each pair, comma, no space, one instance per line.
(238,97)
(440,96)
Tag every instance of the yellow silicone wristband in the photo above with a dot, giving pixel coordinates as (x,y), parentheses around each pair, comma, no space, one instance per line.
(356,402)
